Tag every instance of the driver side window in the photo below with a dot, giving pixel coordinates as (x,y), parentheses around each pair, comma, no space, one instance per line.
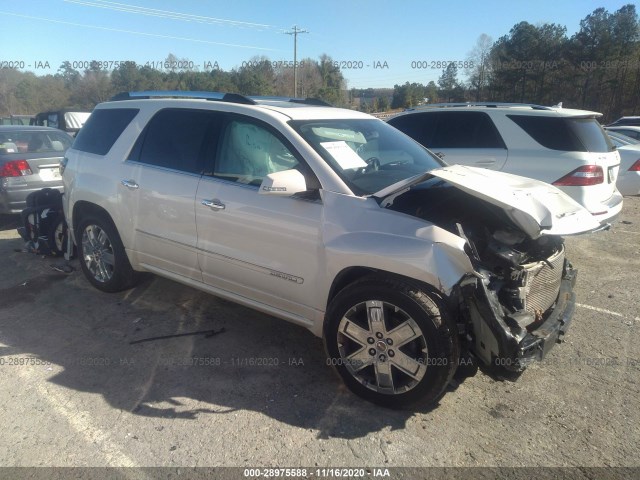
(249,152)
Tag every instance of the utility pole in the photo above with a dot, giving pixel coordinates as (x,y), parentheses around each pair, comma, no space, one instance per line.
(295,31)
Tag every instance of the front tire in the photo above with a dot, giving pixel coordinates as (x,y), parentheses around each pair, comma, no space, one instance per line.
(392,342)
(102,255)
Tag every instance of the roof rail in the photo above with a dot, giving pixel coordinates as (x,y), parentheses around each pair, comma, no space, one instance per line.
(304,101)
(481,104)
(217,96)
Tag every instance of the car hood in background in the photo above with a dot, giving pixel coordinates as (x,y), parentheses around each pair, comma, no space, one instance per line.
(534,206)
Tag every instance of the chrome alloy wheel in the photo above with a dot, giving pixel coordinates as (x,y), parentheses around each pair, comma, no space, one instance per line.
(98,253)
(382,347)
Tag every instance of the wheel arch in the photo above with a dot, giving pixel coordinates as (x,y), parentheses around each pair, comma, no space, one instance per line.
(83,208)
(350,275)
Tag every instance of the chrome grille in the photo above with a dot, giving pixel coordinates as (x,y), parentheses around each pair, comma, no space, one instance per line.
(543,283)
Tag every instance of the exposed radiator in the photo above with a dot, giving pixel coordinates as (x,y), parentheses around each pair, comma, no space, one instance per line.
(543,283)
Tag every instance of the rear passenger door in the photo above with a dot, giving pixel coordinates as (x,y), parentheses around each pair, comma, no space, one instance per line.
(162,175)
(467,138)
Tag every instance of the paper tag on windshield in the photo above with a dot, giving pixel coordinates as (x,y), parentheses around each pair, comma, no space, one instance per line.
(344,155)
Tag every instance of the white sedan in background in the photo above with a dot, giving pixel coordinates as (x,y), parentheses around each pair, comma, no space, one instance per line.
(628,182)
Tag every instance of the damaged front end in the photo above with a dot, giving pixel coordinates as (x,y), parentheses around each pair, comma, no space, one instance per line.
(519,300)
(515,309)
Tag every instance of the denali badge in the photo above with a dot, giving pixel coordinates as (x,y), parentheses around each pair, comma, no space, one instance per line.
(286,276)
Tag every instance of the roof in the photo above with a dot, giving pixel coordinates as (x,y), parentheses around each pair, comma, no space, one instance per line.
(530,109)
(293,108)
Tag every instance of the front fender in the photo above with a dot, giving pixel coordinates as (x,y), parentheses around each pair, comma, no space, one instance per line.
(359,233)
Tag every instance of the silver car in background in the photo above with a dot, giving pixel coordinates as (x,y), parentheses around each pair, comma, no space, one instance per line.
(29,161)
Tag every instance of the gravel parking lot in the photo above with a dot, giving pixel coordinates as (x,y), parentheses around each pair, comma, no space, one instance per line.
(163,375)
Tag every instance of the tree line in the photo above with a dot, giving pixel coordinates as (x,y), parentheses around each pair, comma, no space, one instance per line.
(597,68)
(24,92)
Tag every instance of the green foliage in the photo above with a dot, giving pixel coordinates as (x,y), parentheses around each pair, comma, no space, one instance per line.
(450,87)
(408,95)
(370,100)
(598,68)
(257,77)
(26,93)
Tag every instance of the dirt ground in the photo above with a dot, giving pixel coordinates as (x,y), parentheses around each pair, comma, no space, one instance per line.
(92,379)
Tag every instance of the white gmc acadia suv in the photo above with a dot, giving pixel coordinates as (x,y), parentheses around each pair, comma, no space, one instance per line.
(330,219)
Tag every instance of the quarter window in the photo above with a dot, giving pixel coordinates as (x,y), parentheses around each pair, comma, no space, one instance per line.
(102,129)
(565,134)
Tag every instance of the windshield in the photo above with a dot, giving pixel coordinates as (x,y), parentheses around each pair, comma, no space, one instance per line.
(368,155)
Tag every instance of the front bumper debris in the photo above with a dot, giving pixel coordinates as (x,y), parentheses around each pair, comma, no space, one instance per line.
(497,338)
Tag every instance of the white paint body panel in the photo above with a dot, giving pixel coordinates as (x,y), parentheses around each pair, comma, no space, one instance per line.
(537,207)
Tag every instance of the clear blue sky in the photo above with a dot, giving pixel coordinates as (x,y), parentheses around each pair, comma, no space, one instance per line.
(230,32)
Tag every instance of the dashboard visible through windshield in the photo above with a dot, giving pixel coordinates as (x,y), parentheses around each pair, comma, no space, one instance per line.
(368,155)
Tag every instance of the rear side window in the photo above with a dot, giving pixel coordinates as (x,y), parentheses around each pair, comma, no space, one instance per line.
(175,139)
(450,129)
(591,134)
(466,130)
(102,129)
(565,134)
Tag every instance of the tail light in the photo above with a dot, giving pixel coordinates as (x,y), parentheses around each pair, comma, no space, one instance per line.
(582,177)
(15,168)
(635,167)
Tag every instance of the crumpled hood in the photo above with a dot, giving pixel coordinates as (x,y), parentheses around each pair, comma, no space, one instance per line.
(536,207)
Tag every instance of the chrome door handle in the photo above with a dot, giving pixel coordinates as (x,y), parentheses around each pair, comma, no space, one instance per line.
(130,184)
(213,204)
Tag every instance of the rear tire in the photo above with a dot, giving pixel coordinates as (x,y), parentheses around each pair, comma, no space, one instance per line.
(102,255)
(392,342)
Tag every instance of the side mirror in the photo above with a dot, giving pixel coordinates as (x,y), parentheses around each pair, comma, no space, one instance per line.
(284,183)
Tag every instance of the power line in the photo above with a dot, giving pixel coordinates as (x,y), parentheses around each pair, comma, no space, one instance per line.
(154,12)
(295,31)
(133,32)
